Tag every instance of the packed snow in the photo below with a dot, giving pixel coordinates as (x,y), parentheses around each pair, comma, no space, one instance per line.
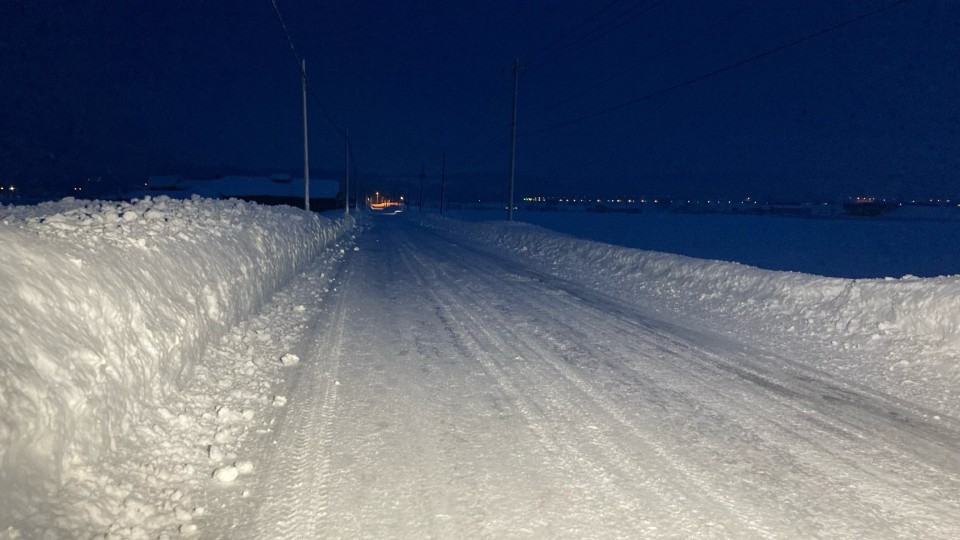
(222,369)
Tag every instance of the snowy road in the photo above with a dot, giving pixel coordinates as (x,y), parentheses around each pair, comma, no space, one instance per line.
(445,392)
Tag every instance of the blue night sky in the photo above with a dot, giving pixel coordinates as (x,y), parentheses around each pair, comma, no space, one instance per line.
(123,90)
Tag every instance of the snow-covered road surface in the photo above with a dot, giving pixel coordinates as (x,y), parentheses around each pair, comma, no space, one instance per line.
(447,392)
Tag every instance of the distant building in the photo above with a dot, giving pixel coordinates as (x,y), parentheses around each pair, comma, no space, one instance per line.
(273,190)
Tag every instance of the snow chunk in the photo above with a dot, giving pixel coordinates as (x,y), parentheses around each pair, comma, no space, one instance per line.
(226,474)
(214,453)
(227,415)
(244,467)
(289,359)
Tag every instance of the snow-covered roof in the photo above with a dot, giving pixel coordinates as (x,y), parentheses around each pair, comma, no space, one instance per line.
(249,186)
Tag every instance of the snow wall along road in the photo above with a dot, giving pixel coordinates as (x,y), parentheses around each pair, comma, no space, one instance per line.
(106,307)
(898,335)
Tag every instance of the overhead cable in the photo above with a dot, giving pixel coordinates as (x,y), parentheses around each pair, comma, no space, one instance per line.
(721,70)
(604,30)
(673,46)
(340,131)
(570,32)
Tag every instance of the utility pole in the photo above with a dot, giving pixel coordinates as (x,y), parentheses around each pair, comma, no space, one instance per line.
(306,154)
(356,188)
(513,135)
(423,176)
(346,172)
(443,179)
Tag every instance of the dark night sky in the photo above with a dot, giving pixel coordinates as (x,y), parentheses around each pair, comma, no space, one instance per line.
(128,89)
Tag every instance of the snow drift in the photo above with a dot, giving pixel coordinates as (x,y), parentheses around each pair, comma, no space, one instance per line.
(908,329)
(106,307)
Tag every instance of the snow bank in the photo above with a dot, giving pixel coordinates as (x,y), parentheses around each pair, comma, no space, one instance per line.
(106,307)
(880,317)
(891,246)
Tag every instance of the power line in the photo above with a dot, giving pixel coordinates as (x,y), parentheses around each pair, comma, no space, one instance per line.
(296,57)
(721,70)
(618,22)
(283,26)
(709,28)
(570,32)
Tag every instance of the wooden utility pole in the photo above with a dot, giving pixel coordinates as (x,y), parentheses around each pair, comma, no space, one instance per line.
(346,172)
(356,189)
(306,154)
(443,179)
(513,136)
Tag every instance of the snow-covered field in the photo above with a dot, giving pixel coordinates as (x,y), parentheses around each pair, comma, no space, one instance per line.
(221,369)
(919,241)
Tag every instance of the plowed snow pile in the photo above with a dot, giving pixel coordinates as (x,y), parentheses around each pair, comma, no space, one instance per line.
(901,336)
(107,308)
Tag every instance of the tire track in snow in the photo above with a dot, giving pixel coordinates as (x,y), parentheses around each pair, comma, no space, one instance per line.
(837,447)
(545,402)
(296,502)
(837,437)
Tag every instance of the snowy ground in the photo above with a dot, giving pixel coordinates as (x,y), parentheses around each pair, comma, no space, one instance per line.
(919,241)
(453,380)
